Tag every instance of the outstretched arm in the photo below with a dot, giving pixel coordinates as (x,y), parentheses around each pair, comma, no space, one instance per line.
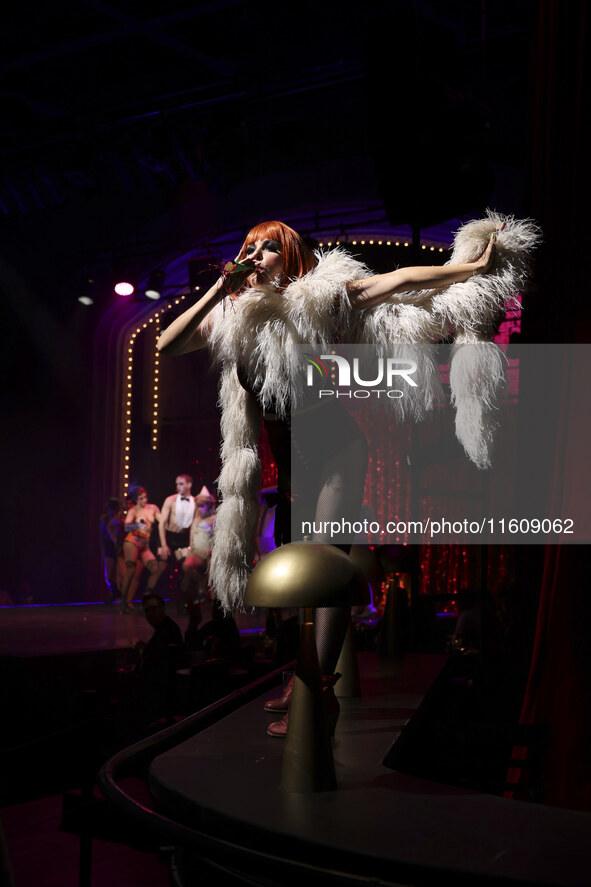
(373,291)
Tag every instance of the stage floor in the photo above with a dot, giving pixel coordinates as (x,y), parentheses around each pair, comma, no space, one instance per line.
(379,823)
(29,631)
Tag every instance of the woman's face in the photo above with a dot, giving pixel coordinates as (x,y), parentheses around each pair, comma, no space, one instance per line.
(142,500)
(267,260)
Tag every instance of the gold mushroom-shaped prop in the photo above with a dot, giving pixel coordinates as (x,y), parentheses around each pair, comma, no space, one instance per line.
(306,575)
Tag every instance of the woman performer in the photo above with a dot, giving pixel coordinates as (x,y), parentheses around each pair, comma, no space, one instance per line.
(111,541)
(277,295)
(136,546)
(196,564)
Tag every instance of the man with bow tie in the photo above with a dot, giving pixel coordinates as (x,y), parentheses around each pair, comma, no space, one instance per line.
(176,518)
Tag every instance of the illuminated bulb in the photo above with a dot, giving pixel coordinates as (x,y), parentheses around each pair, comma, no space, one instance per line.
(123,288)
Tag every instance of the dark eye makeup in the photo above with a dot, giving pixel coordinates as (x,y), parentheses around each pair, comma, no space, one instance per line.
(270,245)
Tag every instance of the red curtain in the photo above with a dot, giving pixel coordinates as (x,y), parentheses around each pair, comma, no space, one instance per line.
(559,687)
(558,692)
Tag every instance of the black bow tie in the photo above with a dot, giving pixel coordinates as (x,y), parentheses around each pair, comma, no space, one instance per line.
(184,498)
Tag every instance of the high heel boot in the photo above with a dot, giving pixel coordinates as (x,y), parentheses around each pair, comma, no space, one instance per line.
(281,703)
(331,709)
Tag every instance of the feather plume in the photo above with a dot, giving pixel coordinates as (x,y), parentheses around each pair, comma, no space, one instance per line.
(260,332)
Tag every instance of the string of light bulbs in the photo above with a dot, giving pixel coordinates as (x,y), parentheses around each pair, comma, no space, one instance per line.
(152,322)
(371,242)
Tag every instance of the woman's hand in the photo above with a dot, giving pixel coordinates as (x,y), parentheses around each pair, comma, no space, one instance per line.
(235,275)
(484,263)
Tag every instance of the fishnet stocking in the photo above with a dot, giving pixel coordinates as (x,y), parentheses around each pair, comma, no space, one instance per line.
(340,497)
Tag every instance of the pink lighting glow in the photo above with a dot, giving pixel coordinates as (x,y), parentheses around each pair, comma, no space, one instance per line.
(124,289)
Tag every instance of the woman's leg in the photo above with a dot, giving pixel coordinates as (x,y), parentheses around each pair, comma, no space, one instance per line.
(110,565)
(153,567)
(135,582)
(340,497)
(131,555)
(342,479)
(194,579)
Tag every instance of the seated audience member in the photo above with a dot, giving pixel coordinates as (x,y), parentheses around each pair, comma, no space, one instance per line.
(158,658)
(219,638)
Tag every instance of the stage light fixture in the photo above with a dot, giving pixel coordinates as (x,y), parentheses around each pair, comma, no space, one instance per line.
(124,288)
(153,288)
(85,295)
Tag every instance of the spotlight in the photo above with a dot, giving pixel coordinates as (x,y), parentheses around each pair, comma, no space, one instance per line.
(123,288)
(85,295)
(153,288)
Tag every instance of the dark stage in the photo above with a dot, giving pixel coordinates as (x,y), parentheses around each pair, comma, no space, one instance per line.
(62,664)
(380,826)
(207,787)
(85,628)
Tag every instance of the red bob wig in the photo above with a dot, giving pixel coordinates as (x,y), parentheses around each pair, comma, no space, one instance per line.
(298,258)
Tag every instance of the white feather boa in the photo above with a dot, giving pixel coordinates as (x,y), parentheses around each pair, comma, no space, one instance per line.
(261,329)
(471,309)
